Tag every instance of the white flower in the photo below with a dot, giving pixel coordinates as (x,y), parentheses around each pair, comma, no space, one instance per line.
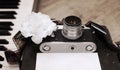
(38,26)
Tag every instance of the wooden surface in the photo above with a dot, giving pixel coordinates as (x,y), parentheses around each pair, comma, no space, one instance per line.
(105,12)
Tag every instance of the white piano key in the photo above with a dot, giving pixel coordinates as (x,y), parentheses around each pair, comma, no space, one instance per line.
(10,68)
(11,47)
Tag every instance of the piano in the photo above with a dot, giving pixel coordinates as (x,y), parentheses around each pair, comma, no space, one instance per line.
(11,14)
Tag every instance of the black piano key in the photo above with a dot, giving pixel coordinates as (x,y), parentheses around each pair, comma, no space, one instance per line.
(1,58)
(8,3)
(4,33)
(6,23)
(5,27)
(10,0)
(0,65)
(3,41)
(7,12)
(3,48)
(7,17)
(8,7)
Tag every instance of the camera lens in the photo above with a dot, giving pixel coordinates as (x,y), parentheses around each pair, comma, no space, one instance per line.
(72,28)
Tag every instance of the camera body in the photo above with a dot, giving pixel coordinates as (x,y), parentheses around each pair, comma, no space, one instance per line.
(71,37)
(59,43)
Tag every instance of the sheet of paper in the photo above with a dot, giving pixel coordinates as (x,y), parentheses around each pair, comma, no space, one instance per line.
(67,61)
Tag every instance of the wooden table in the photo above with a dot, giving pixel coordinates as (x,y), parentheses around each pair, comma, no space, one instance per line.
(106,12)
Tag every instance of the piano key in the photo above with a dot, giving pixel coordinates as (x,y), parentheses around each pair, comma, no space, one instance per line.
(0,65)
(11,46)
(4,33)
(1,58)
(10,68)
(3,41)
(3,48)
(8,3)
(10,0)
(8,7)
(7,17)
(2,27)
(7,12)
(6,23)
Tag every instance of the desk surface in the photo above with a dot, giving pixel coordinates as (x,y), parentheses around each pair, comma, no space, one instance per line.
(106,12)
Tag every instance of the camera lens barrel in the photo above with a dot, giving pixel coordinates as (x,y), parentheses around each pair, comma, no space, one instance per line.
(72,27)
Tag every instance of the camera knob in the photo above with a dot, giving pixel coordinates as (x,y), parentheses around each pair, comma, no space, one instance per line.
(89,48)
(46,48)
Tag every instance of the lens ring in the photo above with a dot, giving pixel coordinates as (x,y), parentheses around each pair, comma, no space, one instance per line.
(72,27)
(72,21)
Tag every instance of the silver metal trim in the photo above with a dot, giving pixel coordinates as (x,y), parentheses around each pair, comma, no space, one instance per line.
(61,27)
(68,47)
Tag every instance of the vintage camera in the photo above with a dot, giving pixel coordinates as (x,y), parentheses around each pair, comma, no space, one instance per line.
(71,37)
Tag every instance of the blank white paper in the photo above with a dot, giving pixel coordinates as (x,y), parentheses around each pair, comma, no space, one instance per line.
(67,61)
